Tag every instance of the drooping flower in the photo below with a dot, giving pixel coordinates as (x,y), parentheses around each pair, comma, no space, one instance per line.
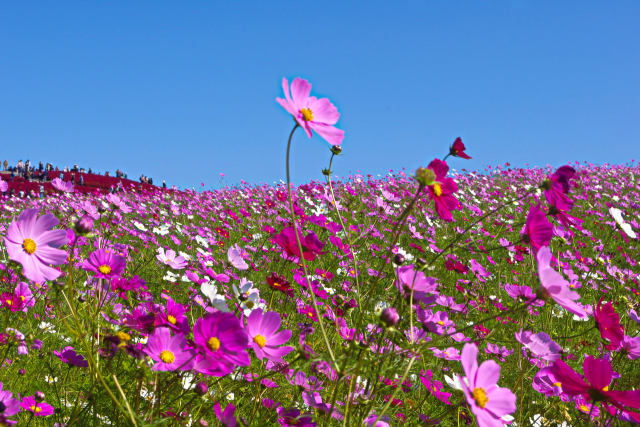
(537,230)
(236,256)
(424,288)
(311,245)
(540,345)
(39,409)
(226,417)
(69,356)
(488,402)
(221,343)
(553,285)
(608,323)
(440,187)
(169,352)
(264,338)
(310,112)
(106,264)
(457,149)
(32,242)
(598,375)
(557,187)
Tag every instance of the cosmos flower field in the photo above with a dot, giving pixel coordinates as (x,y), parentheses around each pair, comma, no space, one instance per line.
(506,296)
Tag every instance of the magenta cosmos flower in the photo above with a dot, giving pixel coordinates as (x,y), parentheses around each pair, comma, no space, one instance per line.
(61,185)
(32,242)
(168,351)
(598,374)
(311,245)
(424,288)
(222,344)
(39,409)
(489,403)
(442,189)
(608,323)
(537,230)
(553,285)
(557,187)
(310,112)
(264,337)
(105,264)
(457,149)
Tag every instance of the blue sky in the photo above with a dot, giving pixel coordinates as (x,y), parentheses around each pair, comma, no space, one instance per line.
(184,91)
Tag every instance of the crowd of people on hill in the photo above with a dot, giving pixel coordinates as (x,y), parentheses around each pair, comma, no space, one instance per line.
(31,172)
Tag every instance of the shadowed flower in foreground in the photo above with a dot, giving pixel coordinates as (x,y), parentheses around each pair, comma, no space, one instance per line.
(32,242)
(310,112)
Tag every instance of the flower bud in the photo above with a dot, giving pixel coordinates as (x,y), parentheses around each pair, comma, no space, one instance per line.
(39,396)
(84,225)
(425,176)
(336,149)
(326,172)
(202,388)
(389,316)
(399,259)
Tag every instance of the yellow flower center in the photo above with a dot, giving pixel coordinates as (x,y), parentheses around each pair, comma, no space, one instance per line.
(307,115)
(606,388)
(104,269)
(440,322)
(9,302)
(123,336)
(35,408)
(584,408)
(167,357)
(213,343)
(172,319)
(437,189)
(22,298)
(260,340)
(558,384)
(29,246)
(480,397)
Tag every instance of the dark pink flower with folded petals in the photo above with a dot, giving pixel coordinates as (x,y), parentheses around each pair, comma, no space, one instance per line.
(557,187)
(311,245)
(226,417)
(442,189)
(69,356)
(457,149)
(608,323)
(537,230)
(598,375)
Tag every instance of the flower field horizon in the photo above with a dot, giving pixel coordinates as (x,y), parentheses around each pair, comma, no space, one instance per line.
(508,297)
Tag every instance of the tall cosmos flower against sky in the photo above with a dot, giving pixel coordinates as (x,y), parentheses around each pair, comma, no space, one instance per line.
(442,189)
(310,112)
(32,242)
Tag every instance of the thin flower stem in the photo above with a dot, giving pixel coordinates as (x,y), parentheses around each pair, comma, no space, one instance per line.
(301,257)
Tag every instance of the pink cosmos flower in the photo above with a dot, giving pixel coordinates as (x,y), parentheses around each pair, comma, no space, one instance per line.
(226,417)
(264,338)
(106,264)
(553,285)
(424,288)
(537,230)
(457,149)
(61,185)
(489,403)
(441,191)
(3,185)
(598,374)
(557,188)
(39,409)
(221,342)
(168,351)
(236,256)
(31,242)
(9,403)
(310,112)
(169,258)
(540,345)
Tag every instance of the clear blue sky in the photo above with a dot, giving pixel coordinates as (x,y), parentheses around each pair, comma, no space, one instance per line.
(186,90)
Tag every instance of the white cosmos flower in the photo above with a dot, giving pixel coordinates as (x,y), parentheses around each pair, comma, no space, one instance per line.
(617,215)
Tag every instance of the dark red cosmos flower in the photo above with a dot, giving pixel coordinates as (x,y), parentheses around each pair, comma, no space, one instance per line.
(608,323)
(598,373)
(457,149)
(537,230)
(311,245)
(279,283)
